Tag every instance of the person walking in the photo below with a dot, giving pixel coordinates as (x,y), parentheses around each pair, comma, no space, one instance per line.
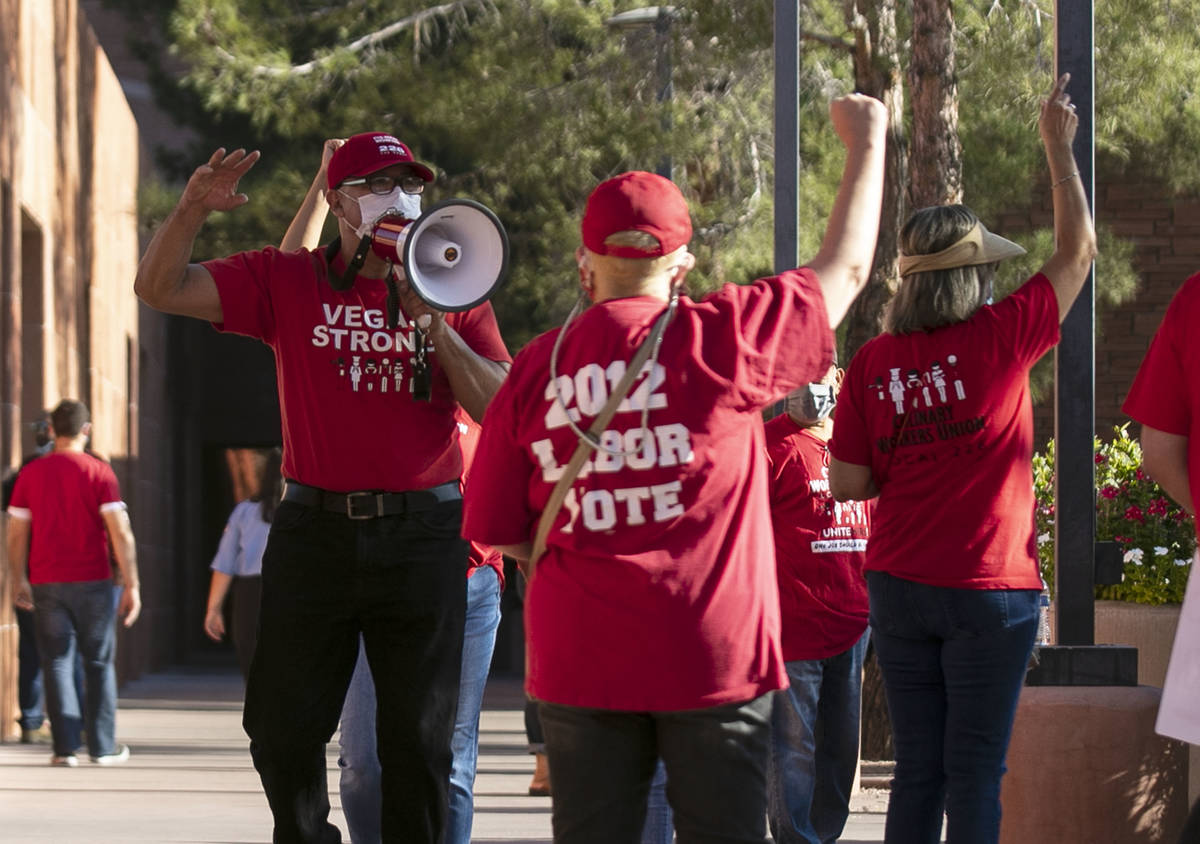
(65,509)
(237,565)
(358,760)
(367,538)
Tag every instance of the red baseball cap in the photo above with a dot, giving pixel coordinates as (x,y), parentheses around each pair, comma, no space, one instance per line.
(369,152)
(637,201)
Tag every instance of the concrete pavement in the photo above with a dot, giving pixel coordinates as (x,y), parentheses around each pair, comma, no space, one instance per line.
(190,778)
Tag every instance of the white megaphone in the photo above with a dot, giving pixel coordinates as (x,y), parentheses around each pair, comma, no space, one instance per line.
(454,255)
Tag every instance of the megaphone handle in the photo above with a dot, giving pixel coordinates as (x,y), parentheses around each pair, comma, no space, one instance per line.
(422,387)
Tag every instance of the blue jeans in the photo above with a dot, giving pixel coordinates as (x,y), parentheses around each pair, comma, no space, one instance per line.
(66,617)
(360,787)
(660,826)
(814,747)
(953,664)
(399,583)
(602,762)
(29,673)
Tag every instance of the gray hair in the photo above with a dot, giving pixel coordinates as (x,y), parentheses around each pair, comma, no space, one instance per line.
(933,298)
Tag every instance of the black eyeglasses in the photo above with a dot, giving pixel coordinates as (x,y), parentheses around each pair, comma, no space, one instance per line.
(383,184)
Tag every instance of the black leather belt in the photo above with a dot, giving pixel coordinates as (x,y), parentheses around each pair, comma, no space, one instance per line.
(371,504)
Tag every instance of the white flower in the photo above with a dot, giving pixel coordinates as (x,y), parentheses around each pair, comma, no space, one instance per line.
(1043,538)
(1160,551)
(1134,555)
(1186,562)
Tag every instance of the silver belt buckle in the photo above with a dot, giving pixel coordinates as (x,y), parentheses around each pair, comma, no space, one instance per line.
(377,496)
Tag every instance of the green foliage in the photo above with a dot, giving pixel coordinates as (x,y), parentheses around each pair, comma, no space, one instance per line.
(1116,282)
(526,104)
(521,104)
(1156,536)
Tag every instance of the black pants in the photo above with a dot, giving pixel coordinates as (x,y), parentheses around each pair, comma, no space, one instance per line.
(401,582)
(247,595)
(602,762)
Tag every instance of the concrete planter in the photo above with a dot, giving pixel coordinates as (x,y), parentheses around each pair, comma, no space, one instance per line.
(1152,631)
(1149,629)
(1084,765)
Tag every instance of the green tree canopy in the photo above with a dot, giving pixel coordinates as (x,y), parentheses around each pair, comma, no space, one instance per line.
(526,104)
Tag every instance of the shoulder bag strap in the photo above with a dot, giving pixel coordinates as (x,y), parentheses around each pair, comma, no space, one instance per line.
(586,446)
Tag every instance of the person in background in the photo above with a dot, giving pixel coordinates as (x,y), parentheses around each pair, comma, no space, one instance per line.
(237,566)
(820,546)
(65,508)
(30,696)
(935,419)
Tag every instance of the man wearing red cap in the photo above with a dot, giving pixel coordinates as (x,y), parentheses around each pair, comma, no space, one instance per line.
(653,616)
(366,539)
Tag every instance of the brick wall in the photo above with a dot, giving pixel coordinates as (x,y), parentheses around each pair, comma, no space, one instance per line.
(1165,233)
(70,327)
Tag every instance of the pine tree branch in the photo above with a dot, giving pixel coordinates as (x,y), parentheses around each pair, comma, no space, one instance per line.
(828,41)
(359,45)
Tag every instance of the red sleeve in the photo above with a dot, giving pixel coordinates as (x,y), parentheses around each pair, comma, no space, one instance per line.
(495,502)
(243,283)
(20,493)
(1157,397)
(769,337)
(780,456)
(1028,324)
(851,443)
(105,483)
(479,330)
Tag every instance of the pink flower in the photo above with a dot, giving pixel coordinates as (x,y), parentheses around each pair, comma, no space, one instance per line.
(1140,475)
(1124,540)
(1100,458)
(1134,513)
(1108,491)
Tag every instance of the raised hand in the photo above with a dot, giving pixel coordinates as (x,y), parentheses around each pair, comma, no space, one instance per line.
(213,186)
(327,151)
(858,118)
(1058,120)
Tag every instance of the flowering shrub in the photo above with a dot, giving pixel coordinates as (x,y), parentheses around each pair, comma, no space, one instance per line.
(1156,535)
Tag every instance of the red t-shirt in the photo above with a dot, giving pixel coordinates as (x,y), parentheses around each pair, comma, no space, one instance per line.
(349,419)
(820,546)
(1166,392)
(64,493)
(657,590)
(944,421)
(468,440)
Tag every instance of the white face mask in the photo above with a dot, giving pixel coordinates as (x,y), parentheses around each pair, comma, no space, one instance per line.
(812,402)
(372,206)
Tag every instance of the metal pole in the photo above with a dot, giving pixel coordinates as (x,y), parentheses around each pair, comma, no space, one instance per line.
(1075,400)
(666,86)
(787,132)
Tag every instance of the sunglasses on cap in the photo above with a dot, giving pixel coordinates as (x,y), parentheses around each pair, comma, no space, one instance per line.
(383,184)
